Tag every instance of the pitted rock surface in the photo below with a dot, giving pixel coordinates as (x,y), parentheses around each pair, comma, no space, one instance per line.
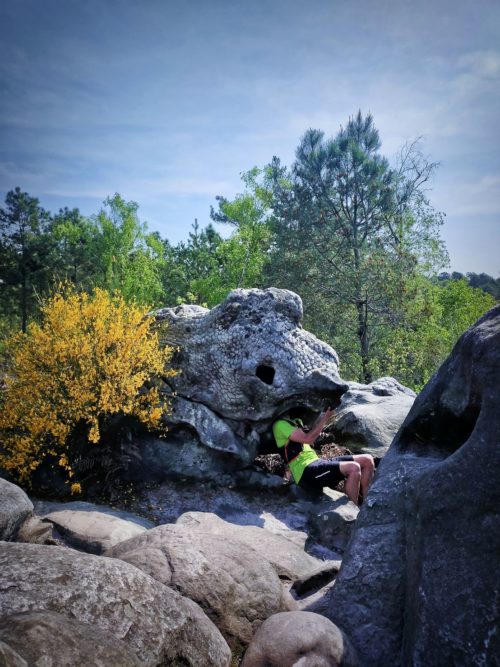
(242,364)
(419,581)
(249,356)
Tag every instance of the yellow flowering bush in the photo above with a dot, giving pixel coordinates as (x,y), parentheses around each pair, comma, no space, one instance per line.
(90,358)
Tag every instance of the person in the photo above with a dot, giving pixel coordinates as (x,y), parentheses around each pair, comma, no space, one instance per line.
(310,471)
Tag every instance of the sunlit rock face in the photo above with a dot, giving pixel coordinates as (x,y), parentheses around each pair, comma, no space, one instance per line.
(242,364)
(249,357)
(419,582)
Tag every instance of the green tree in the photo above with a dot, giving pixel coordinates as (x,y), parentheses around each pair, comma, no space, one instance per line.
(127,257)
(436,315)
(25,251)
(193,267)
(349,232)
(75,236)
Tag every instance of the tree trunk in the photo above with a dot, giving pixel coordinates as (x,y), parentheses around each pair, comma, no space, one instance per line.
(363,341)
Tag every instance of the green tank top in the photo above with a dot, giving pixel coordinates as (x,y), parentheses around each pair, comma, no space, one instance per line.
(282,430)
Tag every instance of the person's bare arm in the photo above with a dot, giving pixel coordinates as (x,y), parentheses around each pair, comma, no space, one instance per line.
(301,436)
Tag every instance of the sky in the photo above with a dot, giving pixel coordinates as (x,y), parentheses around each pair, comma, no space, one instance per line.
(167,102)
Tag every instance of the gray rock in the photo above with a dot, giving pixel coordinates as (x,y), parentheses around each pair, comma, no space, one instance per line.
(9,657)
(36,531)
(236,588)
(15,507)
(242,364)
(155,621)
(332,520)
(93,532)
(288,560)
(419,583)
(49,639)
(44,507)
(370,415)
(300,638)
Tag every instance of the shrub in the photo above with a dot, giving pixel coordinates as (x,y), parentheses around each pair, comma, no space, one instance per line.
(88,361)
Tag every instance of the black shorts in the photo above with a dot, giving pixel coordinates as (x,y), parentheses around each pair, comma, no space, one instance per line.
(323,472)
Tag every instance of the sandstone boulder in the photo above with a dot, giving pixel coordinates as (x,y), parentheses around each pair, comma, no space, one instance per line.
(242,364)
(230,581)
(332,520)
(52,640)
(370,415)
(156,622)
(300,638)
(289,560)
(93,532)
(419,583)
(15,507)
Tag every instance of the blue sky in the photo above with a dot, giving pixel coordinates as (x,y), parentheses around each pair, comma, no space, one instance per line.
(168,101)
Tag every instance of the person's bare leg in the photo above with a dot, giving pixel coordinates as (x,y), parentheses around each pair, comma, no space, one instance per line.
(352,472)
(367,469)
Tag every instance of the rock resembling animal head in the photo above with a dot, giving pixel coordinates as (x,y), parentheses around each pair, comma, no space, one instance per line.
(249,358)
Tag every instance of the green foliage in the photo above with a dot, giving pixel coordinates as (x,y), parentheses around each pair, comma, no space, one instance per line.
(88,360)
(128,258)
(207,267)
(26,249)
(349,233)
(434,317)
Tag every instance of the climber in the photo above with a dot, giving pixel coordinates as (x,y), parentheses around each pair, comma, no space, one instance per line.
(309,470)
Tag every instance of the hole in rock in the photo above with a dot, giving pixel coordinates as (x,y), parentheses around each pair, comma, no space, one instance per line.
(265,373)
(439,429)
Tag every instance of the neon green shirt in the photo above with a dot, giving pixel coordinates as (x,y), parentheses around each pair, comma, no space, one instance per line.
(282,430)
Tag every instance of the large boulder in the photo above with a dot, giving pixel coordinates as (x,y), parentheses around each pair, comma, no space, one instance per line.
(93,532)
(300,638)
(230,581)
(242,364)
(52,640)
(15,507)
(332,520)
(156,622)
(369,415)
(419,583)
(288,559)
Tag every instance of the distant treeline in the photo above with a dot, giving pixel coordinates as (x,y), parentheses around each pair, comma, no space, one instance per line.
(481,281)
(356,237)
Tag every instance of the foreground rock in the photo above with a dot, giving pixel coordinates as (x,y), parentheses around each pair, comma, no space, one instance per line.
(332,520)
(289,560)
(15,507)
(299,638)
(231,582)
(52,640)
(419,583)
(370,415)
(157,623)
(92,532)
(242,364)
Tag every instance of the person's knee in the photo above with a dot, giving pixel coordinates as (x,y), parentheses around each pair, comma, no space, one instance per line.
(365,461)
(351,469)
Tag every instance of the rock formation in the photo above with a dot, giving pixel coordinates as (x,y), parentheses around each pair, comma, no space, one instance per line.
(419,583)
(158,624)
(15,507)
(369,415)
(242,364)
(300,638)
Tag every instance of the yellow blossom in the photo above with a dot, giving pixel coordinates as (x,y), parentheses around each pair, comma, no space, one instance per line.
(90,357)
